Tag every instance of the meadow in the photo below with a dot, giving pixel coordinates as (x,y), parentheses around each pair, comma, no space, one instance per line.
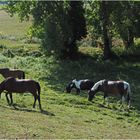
(65,116)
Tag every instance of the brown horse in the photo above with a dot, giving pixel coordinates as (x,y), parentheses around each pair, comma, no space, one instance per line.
(6,72)
(111,88)
(21,86)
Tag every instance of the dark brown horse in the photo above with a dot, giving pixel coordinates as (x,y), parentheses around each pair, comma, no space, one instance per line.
(12,85)
(79,85)
(6,72)
(111,88)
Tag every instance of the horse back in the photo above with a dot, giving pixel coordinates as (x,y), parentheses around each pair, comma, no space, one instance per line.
(115,88)
(20,86)
(86,84)
(17,74)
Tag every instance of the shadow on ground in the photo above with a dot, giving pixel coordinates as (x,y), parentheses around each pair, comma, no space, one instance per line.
(62,72)
(18,108)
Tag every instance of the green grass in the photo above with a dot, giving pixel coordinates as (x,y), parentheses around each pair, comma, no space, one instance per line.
(67,116)
(11,26)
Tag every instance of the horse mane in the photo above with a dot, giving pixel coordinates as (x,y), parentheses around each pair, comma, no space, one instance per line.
(77,83)
(9,78)
(99,83)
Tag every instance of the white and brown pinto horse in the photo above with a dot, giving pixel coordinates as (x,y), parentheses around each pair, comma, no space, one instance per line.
(6,72)
(111,88)
(79,85)
(13,85)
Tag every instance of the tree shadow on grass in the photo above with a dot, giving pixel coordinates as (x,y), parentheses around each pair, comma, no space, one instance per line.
(62,72)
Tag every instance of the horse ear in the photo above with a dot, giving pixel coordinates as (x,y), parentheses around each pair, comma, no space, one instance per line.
(73,80)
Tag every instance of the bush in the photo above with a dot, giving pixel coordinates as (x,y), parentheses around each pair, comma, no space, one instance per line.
(8,53)
(53,41)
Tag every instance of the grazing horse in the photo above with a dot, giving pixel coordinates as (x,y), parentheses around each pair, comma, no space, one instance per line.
(20,86)
(6,72)
(85,84)
(111,88)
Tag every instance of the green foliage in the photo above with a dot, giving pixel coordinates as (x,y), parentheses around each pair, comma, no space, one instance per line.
(123,20)
(93,18)
(93,24)
(63,21)
(54,39)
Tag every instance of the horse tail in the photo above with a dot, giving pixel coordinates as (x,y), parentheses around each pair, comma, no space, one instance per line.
(129,89)
(38,89)
(129,93)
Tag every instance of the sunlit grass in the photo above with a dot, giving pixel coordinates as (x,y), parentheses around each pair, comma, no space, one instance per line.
(11,26)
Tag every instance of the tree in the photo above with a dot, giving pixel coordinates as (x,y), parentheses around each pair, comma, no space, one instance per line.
(126,17)
(105,28)
(99,16)
(58,23)
(108,19)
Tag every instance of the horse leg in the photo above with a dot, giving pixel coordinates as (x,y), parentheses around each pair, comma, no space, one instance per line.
(35,98)
(11,98)
(8,101)
(122,101)
(39,102)
(105,96)
(77,90)
(128,100)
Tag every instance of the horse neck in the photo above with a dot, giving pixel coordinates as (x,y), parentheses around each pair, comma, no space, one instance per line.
(102,88)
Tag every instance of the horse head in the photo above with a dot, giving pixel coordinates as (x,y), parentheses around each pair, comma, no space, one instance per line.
(69,87)
(91,95)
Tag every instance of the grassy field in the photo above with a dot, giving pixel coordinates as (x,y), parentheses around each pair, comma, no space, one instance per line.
(67,116)
(11,26)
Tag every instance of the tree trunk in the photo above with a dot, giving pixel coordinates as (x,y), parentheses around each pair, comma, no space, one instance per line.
(105,18)
(70,50)
(130,39)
